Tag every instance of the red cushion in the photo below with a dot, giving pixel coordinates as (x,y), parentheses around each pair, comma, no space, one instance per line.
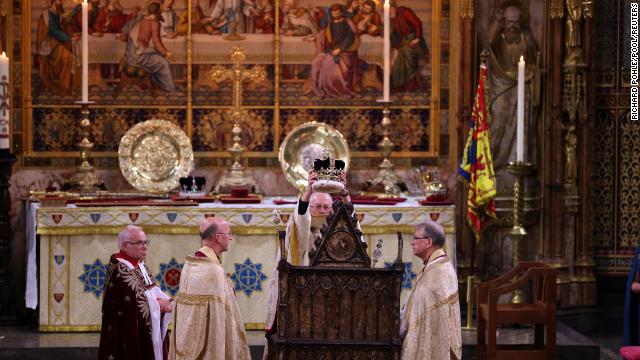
(630,352)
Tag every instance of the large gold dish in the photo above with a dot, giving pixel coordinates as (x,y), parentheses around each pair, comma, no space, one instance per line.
(304,144)
(154,155)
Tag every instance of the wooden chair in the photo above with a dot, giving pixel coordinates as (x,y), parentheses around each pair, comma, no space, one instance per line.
(540,312)
(130,75)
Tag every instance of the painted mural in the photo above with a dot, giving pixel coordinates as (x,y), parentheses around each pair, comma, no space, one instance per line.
(329,55)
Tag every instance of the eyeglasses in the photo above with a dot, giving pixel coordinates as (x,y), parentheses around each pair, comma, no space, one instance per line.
(323,207)
(230,234)
(139,243)
(419,238)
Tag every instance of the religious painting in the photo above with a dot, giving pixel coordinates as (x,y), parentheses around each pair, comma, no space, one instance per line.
(332,52)
(220,27)
(137,54)
(145,57)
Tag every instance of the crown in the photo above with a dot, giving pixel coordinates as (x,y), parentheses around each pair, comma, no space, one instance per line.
(328,170)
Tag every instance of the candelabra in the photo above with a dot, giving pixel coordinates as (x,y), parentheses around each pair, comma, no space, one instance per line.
(85,179)
(519,169)
(386,176)
(469,325)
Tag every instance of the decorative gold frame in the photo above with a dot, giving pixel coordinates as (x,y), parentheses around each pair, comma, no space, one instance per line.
(433,105)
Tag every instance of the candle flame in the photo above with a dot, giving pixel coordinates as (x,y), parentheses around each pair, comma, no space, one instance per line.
(84,2)
(521,58)
(386,3)
(4,55)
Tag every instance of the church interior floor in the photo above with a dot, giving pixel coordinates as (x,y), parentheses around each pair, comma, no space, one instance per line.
(584,337)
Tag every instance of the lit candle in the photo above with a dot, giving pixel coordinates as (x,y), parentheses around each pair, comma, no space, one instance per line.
(85,51)
(4,110)
(520,112)
(386,51)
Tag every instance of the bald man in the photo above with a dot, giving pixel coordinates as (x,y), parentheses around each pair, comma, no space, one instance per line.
(207,322)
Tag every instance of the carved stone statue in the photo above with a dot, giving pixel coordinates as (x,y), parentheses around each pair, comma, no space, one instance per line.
(509,38)
(573,40)
(570,157)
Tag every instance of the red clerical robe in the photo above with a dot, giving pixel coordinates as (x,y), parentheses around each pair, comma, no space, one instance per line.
(132,324)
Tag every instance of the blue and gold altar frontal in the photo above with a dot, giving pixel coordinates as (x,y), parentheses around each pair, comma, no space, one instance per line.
(76,244)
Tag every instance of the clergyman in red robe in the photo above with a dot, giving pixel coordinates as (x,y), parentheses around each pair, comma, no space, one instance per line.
(134,309)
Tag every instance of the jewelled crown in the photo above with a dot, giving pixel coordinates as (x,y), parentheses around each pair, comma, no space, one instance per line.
(328,170)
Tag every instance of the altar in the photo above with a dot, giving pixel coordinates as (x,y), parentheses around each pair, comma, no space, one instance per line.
(76,243)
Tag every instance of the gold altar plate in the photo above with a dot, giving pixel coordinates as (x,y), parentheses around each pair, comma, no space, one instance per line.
(304,144)
(154,155)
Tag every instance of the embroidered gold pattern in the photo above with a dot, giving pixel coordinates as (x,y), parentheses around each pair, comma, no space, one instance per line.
(451,300)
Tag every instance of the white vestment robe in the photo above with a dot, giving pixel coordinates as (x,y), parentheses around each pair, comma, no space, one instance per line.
(207,322)
(431,317)
(299,240)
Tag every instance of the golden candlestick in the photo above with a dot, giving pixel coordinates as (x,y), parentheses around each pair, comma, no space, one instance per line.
(469,325)
(236,174)
(386,176)
(85,179)
(519,169)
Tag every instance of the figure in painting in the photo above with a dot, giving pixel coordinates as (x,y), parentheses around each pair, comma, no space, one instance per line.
(351,8)
(53,48)
(368,21)
(199,23)
(227,11)
(297,21)
(264,17)
(74,20)
(146,50)
(409,49)
(169,20)
(111,18)
(335,70)
(509,38)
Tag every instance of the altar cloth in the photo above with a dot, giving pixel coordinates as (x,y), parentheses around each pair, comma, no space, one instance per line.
(76,242)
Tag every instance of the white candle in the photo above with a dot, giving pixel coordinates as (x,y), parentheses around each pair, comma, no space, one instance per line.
(386,51)
(4,110)
(520,112)
(85,51)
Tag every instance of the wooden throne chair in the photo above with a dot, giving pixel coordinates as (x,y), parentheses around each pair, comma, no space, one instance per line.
(338,307)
